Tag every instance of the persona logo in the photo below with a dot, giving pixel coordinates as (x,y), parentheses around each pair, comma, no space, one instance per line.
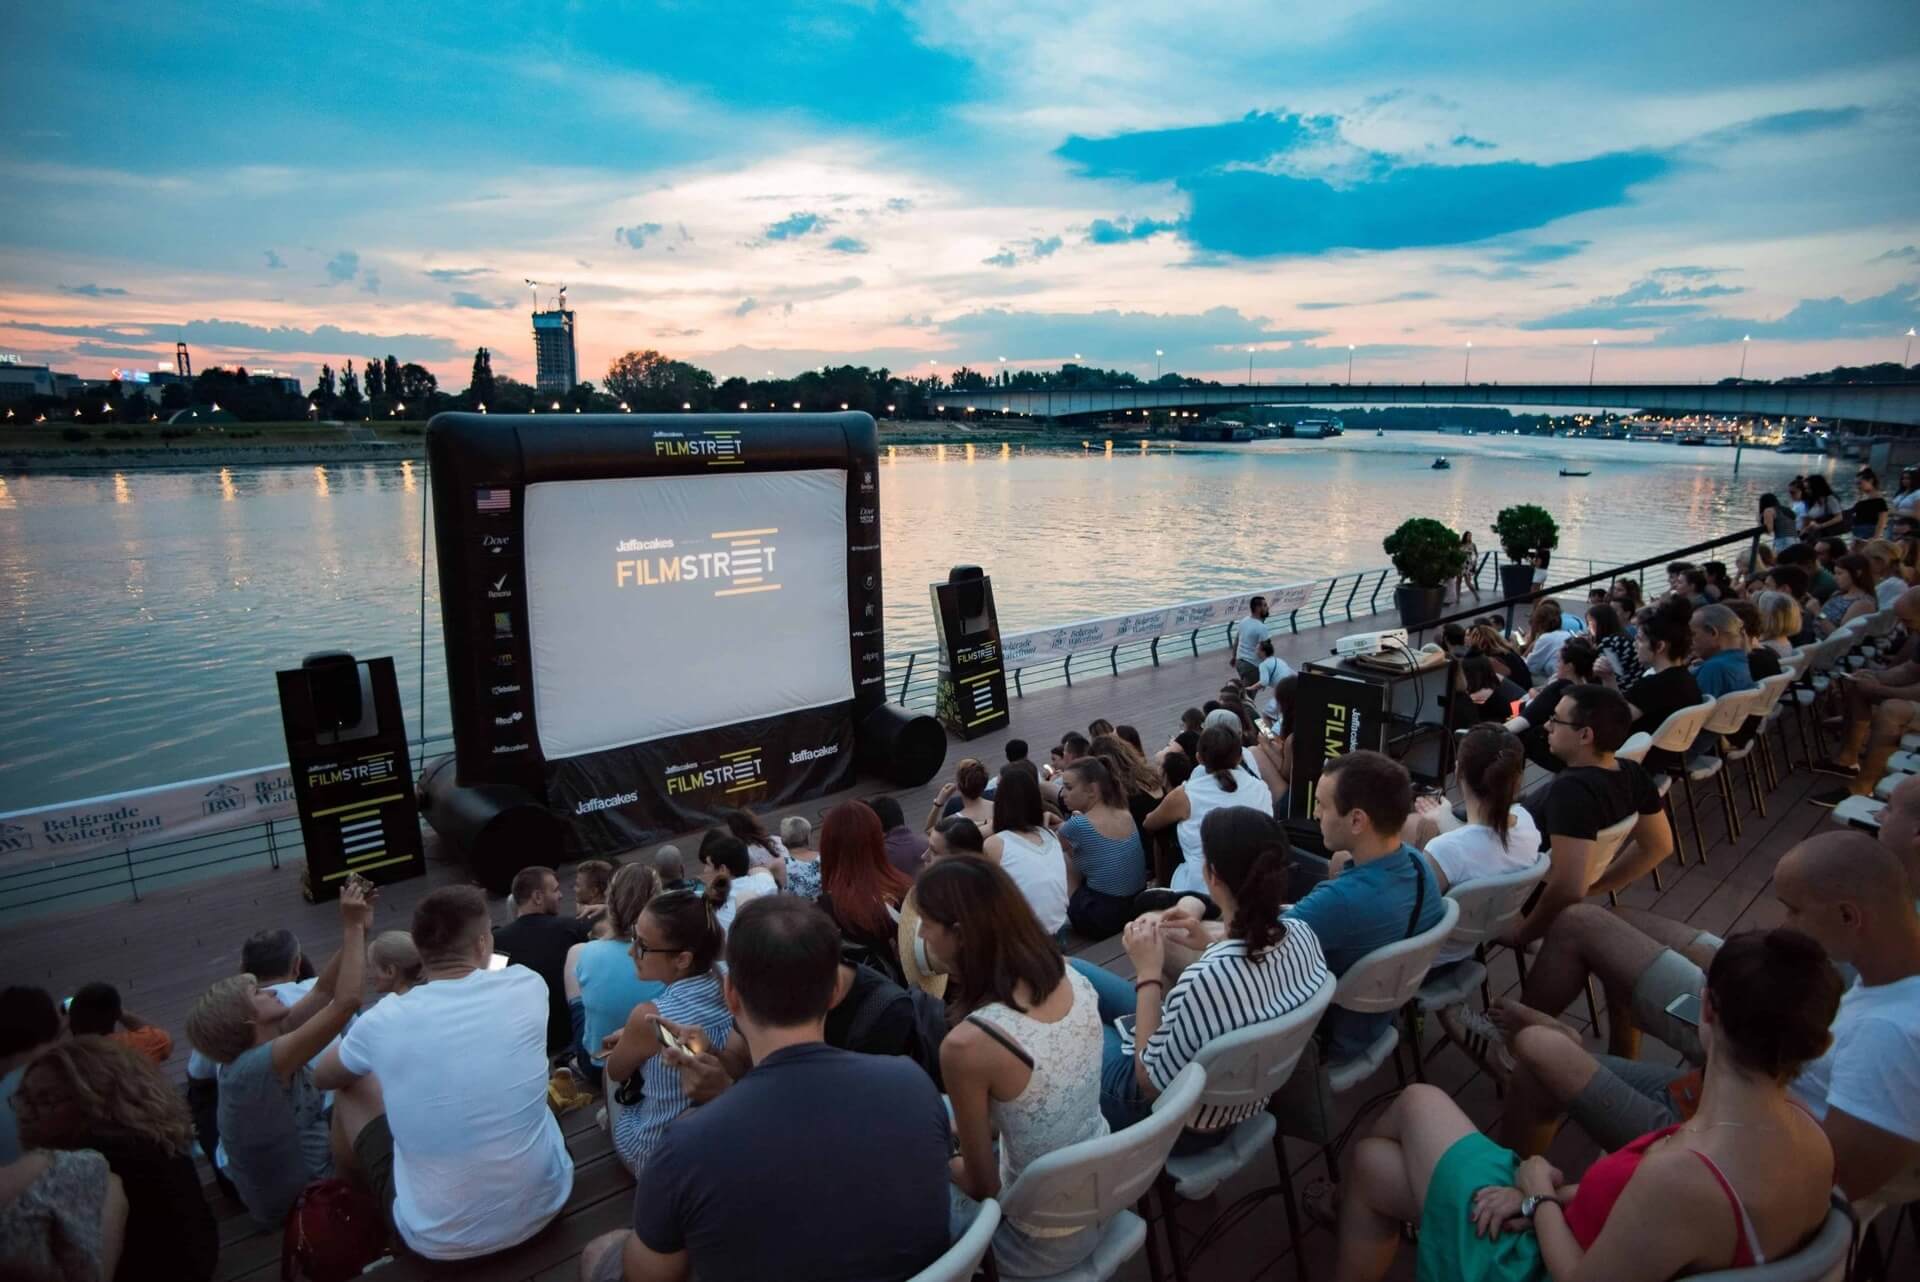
(730,772)
(715,448)
(593,805)
(802,755)
(222,799)
(14,838)
(368,770)
(739,562)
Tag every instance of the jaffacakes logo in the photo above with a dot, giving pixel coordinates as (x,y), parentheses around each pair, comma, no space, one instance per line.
(731,772)
(594,804)
(221,799)
(740,563)
(715,448)
(802,755)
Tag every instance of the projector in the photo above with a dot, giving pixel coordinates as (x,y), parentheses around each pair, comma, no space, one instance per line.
(1361,644)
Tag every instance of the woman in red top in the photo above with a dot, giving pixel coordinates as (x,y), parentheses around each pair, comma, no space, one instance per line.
(1746,1179)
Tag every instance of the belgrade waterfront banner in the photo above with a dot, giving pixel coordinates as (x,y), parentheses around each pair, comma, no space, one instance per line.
(147,817)
(1092,634)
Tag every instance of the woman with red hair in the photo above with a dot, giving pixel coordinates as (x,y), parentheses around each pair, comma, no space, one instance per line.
(859,888)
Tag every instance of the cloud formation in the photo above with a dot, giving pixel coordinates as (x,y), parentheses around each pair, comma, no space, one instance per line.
(1469,141)
(244,336)
(1025,251)
(1652,302)
(93,291)
(636,236)
(847,245)
(1910,253)
(1117,231)
(1538,253)
(795,225)
(342,267)
(447,275)
(274,262)
(474,302)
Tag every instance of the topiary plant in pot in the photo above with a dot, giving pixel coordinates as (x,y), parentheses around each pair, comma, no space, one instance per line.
(1427,555)
(1523,530)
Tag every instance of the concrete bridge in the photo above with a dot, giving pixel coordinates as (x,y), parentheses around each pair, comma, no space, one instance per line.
(1881,404)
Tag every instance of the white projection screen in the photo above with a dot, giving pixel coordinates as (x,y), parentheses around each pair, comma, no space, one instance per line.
(667,605)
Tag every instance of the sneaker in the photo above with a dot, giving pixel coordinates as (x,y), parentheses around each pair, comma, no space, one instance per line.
(1828,800)
(1481,1038)
(1832,767)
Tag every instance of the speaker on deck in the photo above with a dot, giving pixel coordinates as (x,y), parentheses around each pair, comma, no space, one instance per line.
(333,678)
(905,748)
(972,596)
(498,828)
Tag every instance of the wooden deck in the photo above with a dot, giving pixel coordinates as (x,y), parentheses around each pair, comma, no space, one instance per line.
(164,950)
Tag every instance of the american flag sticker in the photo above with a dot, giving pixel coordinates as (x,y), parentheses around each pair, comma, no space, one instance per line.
(493,500)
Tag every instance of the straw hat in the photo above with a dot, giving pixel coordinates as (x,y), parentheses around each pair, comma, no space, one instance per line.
(915,962)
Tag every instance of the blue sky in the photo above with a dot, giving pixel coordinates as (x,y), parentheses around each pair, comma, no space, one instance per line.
(920,185)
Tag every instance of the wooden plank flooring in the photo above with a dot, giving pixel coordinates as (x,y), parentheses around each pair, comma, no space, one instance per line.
(164,950)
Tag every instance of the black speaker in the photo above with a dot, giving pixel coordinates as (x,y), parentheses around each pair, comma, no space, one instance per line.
(902,747)
(333,679)
(498,828)
(972,597)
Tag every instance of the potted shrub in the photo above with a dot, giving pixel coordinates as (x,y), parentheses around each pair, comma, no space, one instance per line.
(1427,555)
(1523,530)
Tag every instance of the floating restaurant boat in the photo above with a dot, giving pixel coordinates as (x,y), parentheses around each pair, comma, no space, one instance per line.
(1440,464)
(1569,472)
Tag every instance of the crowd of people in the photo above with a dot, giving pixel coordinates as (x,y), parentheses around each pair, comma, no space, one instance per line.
(800,998)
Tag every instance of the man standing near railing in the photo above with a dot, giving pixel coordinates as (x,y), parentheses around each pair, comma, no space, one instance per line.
(1250,632)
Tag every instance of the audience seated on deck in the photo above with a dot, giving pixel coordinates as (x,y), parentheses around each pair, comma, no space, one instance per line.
(964,794)
(1498,836)
(724,1194)
(1842,889)
(1106,862)
(393,963)
(1881,707)
(539,938)
(63,1218)
(591,877)
(1667,686)
(1575,666)
(441,1092)
(1618,661)
(954,835)
(1221,779)
(1379,890)
(1747,1182)
(803,861)
(1023,846)
(1719,642)
(96,1011)
(906,849)
(671,867)
(1779,622)
(1140,782)
(1255,967)
(28,1021)
(676,942)
(1024,1060)
(727,871)
(1592,794)
(861,889)
(762,846)
(275,1125)
(1484,693)
(602,987)
(95,1093)
(1853,596)
(1546,633)
(1883,558)
(1485,639)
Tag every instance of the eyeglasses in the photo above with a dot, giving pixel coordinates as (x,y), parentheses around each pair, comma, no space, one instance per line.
(1571,725)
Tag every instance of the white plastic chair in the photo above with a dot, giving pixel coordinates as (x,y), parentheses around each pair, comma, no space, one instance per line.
(1859,812)
(1488,906)
(1635,748)
(1244,1067)
(1729,716)
(1822,1260)
(1676,735)
(1766,709)
(1096,1183)
(1386,980)
(964,1256)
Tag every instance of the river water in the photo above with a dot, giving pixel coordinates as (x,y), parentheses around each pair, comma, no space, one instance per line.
(145,613)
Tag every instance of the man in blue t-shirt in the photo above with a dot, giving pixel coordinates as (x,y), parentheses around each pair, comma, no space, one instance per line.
(1720,643)
(1379,890)
(854,1146)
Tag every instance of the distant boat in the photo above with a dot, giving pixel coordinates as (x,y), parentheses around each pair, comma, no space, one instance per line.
(1440,464)
(1801,444)
(1379,431)
(1694,438)
(1569,472)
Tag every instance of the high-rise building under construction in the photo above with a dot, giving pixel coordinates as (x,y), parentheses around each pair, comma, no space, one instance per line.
(555,369)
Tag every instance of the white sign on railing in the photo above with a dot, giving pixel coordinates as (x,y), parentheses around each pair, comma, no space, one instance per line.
(195,807)
(1092,634)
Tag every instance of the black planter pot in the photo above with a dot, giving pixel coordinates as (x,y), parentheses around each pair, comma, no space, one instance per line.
(1516,579)
(1419,606)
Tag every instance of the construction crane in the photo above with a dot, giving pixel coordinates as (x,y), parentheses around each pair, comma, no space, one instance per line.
(534,285)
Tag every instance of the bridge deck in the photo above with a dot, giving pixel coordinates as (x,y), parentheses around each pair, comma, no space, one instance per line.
(163,951)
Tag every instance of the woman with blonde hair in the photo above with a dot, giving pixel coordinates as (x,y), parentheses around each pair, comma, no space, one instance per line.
(1484,639)
(393,963)
(94,1093)
(602,987)
(1546,633)
(1779,621)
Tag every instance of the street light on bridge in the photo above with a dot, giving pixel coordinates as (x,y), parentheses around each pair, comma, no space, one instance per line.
(1157,354)
(1744,340)
(1908,359)
(1349,364)
(1593,362)
(1466,376)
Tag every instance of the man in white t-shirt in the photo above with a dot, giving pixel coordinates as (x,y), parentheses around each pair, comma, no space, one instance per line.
(1273,670)
(443,1093)
(1843,889)
(1248,635)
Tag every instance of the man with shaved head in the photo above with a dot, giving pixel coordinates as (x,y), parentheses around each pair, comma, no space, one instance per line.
(1881,707)
(1900,829)
(1842,888)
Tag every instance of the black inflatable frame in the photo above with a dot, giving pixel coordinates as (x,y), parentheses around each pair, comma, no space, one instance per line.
(481,465)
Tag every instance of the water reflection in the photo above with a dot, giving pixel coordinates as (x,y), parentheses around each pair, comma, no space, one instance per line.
(320,482)
(406,475)
(6,495)
(227,492)
(121,492)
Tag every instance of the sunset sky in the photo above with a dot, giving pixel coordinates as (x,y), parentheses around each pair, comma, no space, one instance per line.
(761,186)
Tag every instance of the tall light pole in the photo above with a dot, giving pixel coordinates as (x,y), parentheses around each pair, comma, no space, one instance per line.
(1249,367)
(1745,339)
(1466,375)
(1908,359)
(1157,354)
(1349,364)
(1594,362)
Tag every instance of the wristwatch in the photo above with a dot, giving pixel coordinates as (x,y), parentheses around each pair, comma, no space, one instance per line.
(1531,1203)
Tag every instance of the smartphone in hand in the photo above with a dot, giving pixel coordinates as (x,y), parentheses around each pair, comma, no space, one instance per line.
(1686,1009)
(668,1039)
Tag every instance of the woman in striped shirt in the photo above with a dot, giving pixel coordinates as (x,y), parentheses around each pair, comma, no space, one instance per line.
(1262,969)
(1106,864)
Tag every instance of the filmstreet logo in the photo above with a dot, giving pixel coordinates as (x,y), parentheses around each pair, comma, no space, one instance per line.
(730,772)
(715,448)
(223,799)
(594,804)
(804,755)
(368,770)
(740,567)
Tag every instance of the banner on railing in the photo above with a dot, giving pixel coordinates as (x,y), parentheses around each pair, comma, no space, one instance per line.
(1093,634)
(194,808)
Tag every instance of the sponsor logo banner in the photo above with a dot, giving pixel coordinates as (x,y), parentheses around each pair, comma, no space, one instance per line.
(1092,634)
(716,448)
(133,820)
(734,562)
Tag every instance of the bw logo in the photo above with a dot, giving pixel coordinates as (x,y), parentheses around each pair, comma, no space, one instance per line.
(13,838)
(223,799)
